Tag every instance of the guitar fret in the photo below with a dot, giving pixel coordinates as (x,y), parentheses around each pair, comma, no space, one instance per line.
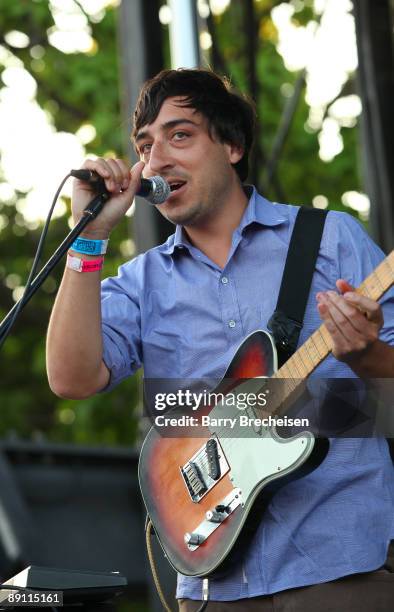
(369,290)
(302,360)
(365,290)
(314,349)
(390,270)
(383,274)
(326,338)
(319,343)
(376,290)
(288,386)
(307,351)
(386,276)
(292,364)
(289,374)
(291,368)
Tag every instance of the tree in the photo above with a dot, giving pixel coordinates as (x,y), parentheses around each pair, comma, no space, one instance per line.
(75,89)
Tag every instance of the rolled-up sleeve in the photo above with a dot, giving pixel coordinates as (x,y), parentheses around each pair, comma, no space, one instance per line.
(121,323)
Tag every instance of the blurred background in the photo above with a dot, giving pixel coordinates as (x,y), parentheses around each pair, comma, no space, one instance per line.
(321,74)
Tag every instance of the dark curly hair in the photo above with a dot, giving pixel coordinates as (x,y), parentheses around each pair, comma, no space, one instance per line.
(231,116)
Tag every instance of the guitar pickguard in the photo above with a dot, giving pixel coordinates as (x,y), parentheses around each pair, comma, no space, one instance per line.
(257,455)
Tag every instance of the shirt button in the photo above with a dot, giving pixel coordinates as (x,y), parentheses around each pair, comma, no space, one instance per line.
(224,280)
(231,323)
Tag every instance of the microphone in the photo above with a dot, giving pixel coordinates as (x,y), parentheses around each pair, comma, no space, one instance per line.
(155,189)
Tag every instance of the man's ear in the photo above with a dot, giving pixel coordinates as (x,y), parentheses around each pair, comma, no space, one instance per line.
(234,152)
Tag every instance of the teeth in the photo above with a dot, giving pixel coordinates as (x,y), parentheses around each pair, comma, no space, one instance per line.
(175,186)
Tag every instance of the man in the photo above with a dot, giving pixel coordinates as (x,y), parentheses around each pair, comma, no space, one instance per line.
(182,309)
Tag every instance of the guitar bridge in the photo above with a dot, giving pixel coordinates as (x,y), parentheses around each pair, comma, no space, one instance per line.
(194,480)
(204,469)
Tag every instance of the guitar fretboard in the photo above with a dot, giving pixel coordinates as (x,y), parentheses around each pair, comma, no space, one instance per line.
(319,345)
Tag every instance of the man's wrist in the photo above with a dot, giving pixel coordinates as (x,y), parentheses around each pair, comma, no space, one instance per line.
(95,235)
(82,256)
(91,232)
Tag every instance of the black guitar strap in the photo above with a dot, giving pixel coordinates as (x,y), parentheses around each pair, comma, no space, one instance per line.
(287,321)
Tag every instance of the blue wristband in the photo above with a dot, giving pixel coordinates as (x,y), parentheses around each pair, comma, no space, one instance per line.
(89,247)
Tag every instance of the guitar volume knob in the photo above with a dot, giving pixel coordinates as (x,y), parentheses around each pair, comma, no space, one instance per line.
(193,538)
(215,517)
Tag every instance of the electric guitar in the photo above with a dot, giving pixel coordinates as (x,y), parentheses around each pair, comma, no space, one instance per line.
(204,491)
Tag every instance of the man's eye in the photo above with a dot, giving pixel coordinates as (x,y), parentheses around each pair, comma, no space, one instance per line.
(180,135)
(145,148)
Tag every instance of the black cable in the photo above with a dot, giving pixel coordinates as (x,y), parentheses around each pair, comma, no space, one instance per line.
(34,265)
(205,594)
(12,587)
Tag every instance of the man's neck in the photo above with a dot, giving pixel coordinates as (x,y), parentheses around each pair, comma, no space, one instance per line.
(214,237)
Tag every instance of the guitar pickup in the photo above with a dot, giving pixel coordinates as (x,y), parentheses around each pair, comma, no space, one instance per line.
(213,459)
(204,469)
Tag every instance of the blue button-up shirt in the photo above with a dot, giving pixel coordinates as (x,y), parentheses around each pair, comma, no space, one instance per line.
(180,315)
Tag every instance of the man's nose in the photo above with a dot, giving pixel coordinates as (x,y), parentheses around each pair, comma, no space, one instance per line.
(159,158)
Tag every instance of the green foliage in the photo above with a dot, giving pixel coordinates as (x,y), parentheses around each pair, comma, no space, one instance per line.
(301,173)
(75,89)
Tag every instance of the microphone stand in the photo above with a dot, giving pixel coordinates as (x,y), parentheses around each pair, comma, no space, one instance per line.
(90,213)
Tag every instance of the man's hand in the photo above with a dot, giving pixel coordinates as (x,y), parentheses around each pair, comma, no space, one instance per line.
(354,322)
(120,181)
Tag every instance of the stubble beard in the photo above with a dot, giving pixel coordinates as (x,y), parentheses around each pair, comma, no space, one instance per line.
(201,211)
(206,207)
(189,217)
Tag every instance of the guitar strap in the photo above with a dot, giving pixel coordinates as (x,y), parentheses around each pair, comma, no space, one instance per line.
(287,321)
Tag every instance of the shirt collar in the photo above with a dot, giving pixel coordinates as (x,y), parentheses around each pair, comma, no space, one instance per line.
(259,210)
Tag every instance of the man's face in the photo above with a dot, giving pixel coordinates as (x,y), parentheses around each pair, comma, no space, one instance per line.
(178,147)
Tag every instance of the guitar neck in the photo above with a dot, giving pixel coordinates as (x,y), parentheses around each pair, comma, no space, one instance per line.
(306,359)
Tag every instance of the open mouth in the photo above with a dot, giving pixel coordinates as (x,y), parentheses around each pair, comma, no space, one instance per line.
(175,186)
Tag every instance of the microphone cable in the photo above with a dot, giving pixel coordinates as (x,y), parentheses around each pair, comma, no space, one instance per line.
(35,263)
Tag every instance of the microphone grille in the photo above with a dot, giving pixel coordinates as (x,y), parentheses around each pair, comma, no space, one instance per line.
(160,190)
